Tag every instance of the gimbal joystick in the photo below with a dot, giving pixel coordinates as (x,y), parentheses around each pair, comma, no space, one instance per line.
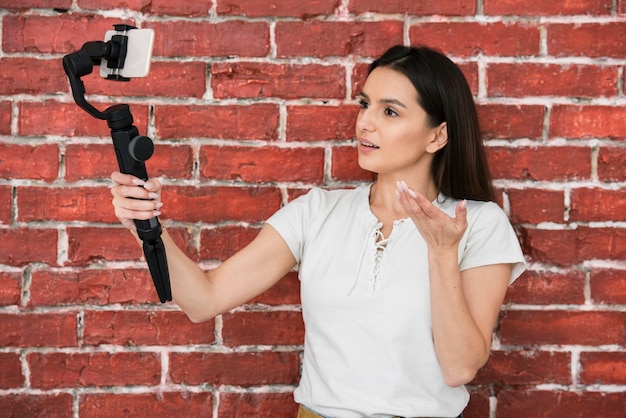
(131,149)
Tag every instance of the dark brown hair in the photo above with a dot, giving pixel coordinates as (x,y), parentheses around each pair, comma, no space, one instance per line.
(460,168)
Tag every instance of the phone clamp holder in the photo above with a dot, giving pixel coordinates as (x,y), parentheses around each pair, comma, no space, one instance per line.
(131,149)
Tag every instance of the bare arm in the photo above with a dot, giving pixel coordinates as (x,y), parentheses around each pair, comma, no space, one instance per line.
(202,295)
(464,305)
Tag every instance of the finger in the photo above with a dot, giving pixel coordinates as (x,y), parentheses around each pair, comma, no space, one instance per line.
(461,213)
(126,179)
(153,185)
(416,201)
(125,214)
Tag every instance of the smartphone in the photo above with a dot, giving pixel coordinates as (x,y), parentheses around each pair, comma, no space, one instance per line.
(138,55)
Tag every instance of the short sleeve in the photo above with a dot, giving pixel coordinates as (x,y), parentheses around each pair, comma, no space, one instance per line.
(490,239)
(292,221)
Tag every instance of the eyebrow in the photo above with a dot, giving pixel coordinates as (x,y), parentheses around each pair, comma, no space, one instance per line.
(385,101)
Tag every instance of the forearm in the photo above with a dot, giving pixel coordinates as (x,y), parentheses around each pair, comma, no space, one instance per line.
(190,285)
(461,347)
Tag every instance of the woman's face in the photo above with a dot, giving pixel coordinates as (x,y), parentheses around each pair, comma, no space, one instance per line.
(392,128)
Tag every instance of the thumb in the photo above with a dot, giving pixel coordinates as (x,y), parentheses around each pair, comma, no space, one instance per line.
(461,212)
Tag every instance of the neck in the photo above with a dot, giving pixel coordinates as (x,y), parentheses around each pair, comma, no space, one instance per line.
(383,193)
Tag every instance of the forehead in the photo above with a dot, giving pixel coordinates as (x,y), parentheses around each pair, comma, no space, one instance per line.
(386,83)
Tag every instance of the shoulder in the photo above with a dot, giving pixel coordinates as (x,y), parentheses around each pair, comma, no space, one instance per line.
(319,198)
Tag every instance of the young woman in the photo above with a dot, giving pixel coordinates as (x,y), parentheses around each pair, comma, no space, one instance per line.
(402,279)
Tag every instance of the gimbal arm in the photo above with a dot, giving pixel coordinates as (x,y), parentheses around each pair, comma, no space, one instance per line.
(131,149)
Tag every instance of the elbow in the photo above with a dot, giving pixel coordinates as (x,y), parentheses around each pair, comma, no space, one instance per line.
(459,377)
(198,316)
(198,319)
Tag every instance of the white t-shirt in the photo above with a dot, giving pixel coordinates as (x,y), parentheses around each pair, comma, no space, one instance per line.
(368,349)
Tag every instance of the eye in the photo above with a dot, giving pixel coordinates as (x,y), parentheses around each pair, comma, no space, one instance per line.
(363,104)
(390,112)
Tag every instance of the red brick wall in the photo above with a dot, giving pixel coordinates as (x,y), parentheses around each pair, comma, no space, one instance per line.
(251,103)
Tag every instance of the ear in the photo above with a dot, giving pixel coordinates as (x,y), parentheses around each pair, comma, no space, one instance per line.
(440,138)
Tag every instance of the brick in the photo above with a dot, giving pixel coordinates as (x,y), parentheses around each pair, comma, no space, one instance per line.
(91,287)
(345,165)
(263,328)
(472,38)
(243,369)
(359,76)
(32,4)
(251,405)
(30,405)
(525,367)
(608,286)
(592,328)
(264,164)
(10,288)
(611,163)
(6,203)
(216,204)
(608,368)
(572,121)
(88,204)
(21,246)
(69,370)
(501,121)
(540,163)
(258,121)
(444,7)
(67,119)
(536,205)
(323,39)
(99,161)
(512,403)
(548,288)
(529,79)
(130,328)
(163,404)
(595,40)
(276,8)
(541,8)
(478,406)
(11,375)
(88,245)
(32,162)
(54,33)
(38,330)
(44,76)
(157,7)
(6,109)
(165,79)
(321,123)
(590,204)
(222,242)
(224,39)
(285,292)
(286,81)
(574,246)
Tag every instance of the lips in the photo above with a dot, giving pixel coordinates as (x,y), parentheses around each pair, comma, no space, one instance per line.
(367,144)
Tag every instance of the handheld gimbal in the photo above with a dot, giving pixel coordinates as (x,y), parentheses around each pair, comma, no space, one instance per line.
(131,149)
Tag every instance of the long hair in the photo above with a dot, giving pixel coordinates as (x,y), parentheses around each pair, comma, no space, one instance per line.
(460,168)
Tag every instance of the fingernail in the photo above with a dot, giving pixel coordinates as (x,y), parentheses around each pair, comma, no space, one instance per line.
(157,213)
(398,194)
(412,194)
(153,195)
(159,205)
(139,182)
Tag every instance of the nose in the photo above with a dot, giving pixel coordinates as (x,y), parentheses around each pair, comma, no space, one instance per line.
(364,121)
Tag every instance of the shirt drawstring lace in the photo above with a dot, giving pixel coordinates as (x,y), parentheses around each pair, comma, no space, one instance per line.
(380,247)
